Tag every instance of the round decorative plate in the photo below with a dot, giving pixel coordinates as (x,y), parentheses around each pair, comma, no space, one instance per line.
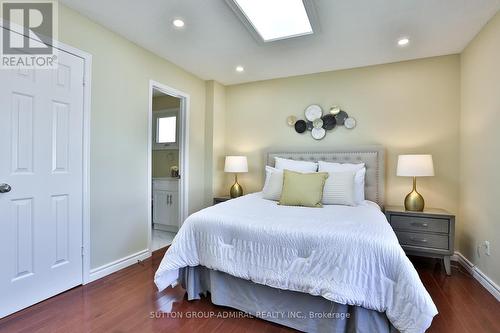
(300,126)
(313,112)
(318,123)
(291,120)
(350,123)
(341,117)
(309,125)
(329,122)
(318,133)
(335,109)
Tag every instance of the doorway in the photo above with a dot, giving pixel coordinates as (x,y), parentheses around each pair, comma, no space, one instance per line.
(167,163)
(44,183)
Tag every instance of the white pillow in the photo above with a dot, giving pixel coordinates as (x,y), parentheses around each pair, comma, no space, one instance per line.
(359,178)
(298,166)
(273,184)
(339,189)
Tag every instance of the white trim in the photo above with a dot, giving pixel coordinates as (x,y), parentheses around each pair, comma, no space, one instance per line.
(117,265)
(311,14)
(183,152)
(87,106)
(477,274)
(87,103)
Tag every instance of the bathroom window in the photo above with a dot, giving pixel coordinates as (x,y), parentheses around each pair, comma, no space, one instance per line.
(165,130)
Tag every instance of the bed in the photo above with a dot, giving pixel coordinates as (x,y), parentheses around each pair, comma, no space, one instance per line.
(330,269)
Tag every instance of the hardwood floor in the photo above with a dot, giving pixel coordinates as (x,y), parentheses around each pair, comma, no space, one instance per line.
(127,300)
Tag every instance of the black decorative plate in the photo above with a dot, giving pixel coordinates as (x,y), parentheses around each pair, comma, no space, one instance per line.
(329,122)
(300,126)
(341,117)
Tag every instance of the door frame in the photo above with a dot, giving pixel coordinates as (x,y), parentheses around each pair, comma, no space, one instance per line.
(87,83)
(183,152)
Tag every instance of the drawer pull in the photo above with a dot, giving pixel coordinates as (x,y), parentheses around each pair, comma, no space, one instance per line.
(420,240)
(423,225)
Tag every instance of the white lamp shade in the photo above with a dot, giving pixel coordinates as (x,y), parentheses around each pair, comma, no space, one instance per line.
(415,166)
(236,164)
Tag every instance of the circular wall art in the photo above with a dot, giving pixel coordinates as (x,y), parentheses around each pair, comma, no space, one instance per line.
(318,133)
(318,123)
(350,123)
(300,126)
(291,120)
(313,112)
(335,109)
(329,122)
(341,117)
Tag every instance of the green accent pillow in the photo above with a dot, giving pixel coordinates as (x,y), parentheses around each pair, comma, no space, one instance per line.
(302,189)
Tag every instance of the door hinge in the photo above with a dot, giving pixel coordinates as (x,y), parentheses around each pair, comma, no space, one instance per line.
(83,251)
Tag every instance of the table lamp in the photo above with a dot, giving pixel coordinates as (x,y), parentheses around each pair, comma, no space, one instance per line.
(415,166)
(236,164)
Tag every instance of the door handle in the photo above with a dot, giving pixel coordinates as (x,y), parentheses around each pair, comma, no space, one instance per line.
(5,188)
(169,199)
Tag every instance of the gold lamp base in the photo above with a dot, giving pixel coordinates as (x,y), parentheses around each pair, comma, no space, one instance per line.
(236,190)
(414,201)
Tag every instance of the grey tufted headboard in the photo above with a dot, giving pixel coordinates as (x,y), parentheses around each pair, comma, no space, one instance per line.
(372,156)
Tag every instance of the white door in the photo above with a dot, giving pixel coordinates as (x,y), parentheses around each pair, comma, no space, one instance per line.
(41,158)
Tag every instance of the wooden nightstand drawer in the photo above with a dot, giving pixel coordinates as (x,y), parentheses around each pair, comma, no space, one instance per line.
(423,240)
(430,233)
(412,223)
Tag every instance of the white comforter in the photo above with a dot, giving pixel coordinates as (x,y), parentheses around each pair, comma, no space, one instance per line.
(348,255)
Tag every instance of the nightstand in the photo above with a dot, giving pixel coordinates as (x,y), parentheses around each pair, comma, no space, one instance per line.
(430,233)
(221,199)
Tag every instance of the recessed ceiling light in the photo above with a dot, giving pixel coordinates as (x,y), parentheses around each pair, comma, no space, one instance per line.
(403,41)
(276,19)
(240,69)
(178,23)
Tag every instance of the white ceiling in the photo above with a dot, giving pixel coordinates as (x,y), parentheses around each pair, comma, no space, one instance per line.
(353,33)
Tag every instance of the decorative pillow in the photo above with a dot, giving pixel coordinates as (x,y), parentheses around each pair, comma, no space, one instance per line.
(302,189)
(273,184)
(339,189)
(359,178)
(299,166)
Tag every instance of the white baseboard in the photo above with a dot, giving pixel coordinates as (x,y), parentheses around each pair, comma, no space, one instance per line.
(482,278)
(116,265)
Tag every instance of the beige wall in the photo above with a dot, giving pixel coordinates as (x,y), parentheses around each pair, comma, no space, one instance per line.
(163,160)
(218,93)
(408,107)
(120,82)
(480,149)
(216,145)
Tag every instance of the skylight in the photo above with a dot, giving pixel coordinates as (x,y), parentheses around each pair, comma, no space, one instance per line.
(276,19)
